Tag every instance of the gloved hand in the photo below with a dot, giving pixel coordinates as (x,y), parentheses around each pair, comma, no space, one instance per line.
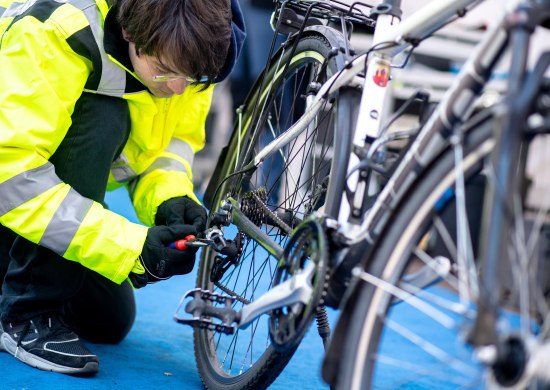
(159,260)
(181,211)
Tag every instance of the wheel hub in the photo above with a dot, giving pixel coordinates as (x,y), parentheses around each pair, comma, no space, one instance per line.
(511,362)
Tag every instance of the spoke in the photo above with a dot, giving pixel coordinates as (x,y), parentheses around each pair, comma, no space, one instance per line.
(438,353)
(417,303)
(265,94)
(519,261)
(455,307)
(445,236)
(230,351)
(297,187)
(465,255)
(417,371)
(528,261)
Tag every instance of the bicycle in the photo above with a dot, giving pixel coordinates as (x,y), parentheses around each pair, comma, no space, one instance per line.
(480,281)
(302,233)
(266,204)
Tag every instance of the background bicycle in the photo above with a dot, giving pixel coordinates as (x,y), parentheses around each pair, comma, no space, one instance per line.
(481,282)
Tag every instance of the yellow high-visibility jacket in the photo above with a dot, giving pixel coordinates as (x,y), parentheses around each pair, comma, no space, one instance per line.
(50,53)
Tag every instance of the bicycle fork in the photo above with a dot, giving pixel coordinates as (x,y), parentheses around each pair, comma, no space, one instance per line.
(513,358)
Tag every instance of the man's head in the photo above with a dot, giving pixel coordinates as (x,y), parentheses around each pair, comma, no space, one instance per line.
(179,37)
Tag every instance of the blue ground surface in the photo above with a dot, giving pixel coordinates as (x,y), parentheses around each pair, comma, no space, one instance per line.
(158,352)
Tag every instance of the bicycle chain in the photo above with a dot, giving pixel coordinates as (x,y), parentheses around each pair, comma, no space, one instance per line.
(254,206)
(232,293)
(262,204)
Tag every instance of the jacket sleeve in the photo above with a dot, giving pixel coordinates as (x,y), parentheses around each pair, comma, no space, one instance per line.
(170,174)
(41,78)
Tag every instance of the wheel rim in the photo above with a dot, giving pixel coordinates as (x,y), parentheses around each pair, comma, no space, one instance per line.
(424,342)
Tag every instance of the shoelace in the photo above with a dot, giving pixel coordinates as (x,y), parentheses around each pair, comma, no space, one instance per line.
(61,328)
(24,332)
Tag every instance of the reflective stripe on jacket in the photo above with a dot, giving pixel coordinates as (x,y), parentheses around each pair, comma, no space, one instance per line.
(50,52)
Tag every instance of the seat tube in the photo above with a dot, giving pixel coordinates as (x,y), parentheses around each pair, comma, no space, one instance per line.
(374,106)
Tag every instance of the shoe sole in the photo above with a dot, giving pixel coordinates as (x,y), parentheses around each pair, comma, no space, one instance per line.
(10,346)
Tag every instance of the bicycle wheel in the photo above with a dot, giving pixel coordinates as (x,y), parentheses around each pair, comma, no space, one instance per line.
(286,188)
(415,303)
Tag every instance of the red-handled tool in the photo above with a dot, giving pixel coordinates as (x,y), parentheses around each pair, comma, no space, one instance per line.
(182,244)
(189,241)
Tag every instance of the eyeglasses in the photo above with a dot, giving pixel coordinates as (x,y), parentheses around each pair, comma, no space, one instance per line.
(190,80)
(156,67)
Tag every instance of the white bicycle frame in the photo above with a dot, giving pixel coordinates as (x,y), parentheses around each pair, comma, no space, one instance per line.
(391,37)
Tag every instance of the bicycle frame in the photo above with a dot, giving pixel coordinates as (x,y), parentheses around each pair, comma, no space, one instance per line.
(454,109)
(390,39)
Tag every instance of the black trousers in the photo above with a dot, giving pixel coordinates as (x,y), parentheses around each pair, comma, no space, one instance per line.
(38,281)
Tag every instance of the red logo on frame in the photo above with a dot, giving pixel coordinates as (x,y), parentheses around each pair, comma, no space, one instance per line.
(381,76)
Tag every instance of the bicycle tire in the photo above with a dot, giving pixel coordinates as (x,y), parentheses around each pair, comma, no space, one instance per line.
(216,355)
(378,318)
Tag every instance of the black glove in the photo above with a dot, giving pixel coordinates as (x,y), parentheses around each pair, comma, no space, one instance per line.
(159,260)
(181,211)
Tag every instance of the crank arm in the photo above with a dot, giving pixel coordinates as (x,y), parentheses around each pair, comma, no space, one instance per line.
(297,289)
(206,305)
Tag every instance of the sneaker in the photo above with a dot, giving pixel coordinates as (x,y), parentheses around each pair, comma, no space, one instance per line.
(45,342)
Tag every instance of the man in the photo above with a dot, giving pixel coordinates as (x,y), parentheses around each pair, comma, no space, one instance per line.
(95,95)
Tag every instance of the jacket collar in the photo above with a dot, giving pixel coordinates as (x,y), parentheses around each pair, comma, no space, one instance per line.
(114,42)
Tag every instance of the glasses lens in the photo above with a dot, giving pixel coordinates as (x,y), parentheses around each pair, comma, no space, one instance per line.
(162,78)
(190,80)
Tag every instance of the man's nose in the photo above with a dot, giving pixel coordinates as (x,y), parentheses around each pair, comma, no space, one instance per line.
(177,86)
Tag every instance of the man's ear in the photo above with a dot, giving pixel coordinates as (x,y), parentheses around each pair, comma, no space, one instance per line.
(126,36)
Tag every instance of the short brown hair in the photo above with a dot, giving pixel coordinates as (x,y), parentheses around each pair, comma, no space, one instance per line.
(193,35)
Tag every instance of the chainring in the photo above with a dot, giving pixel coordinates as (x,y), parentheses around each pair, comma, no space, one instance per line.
(308,243)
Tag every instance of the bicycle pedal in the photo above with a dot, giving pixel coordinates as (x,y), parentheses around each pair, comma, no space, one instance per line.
(205,307)
(206,324)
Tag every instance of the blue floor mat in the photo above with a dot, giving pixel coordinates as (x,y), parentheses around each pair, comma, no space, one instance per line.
(158,352)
